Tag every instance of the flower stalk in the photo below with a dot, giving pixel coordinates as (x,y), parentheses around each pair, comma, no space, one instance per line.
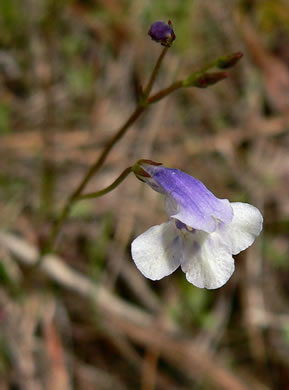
(154,73)
(108,189)
(140,108)
(164,34)
(92,170)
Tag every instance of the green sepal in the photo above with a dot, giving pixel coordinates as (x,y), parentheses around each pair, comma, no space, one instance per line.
(138,170)
(204,80)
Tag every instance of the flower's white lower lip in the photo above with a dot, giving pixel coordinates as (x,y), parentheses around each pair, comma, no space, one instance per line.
(206,258)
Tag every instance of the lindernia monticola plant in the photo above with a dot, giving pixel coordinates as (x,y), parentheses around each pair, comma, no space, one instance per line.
(202,233)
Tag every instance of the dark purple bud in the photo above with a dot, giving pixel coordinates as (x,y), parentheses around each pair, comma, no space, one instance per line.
(203,80)
(162,32)
(225,62)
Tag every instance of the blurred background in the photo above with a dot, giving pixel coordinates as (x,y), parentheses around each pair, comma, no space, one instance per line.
(69,75)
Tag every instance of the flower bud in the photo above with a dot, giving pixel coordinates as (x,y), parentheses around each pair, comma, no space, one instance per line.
(162,32)
(204,80)
(228,61)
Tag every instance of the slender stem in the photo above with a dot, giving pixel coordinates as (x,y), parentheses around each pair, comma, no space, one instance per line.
(155,71)
(92,170)
(143,104)
(111,187)
(101,159)
(164,92)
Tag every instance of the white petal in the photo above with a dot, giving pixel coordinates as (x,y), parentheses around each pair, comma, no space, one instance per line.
(207,262)
(246,225)
(158,251)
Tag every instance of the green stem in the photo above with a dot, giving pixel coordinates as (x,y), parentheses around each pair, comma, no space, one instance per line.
(155,71)
(164,92)
(111,187)
(92,170)
(140,108)
(99,162)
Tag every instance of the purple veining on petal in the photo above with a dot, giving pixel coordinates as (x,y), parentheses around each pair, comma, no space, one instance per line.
(193,204)
(221,226)
(176,241)
(195,248)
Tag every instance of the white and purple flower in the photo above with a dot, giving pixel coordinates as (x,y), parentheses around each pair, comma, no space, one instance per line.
(202,234)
